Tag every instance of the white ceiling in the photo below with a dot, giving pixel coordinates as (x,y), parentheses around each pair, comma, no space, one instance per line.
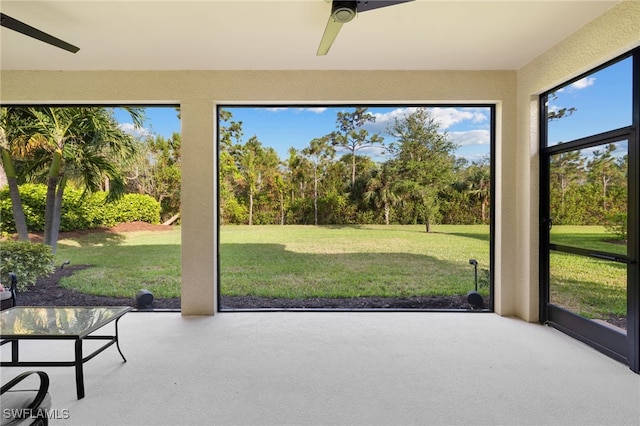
(279,35)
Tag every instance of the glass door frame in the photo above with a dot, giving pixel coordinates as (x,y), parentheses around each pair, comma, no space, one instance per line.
(620,346)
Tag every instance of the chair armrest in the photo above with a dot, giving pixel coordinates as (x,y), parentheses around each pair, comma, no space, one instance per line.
(42,391)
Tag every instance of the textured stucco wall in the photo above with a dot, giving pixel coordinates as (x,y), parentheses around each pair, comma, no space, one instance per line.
(612,34)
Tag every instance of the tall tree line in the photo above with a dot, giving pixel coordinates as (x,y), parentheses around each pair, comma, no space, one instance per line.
(330,182)
(589,188)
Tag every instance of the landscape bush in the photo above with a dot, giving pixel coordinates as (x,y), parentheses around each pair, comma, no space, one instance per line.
(79,209)
(616,224)
(27,260)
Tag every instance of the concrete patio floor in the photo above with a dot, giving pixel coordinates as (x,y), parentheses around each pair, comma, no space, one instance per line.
(335,368)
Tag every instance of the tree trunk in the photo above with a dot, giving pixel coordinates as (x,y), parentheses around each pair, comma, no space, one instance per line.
(49,208)
(57,212)
(353,169)
(250,207)
(282,209)
(14,193)
(427,223)
(52,185)
(315,197)
(387,212)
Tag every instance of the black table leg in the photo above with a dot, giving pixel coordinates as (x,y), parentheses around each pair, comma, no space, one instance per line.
(79,370)
(117,342)
(14,350)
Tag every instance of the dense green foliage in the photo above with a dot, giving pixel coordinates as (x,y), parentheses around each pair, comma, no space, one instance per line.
(27,260)
(590,188)
(421,182)
(79,209)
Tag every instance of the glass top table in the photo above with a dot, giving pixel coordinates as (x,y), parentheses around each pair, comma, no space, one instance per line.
(54,323)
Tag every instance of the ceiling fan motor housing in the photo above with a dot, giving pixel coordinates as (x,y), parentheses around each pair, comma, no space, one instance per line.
(343,11)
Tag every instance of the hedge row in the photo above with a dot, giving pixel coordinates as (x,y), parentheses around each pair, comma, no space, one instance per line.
(79,210)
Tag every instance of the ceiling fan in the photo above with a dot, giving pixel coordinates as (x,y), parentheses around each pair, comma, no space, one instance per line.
(343,12)
(28,30)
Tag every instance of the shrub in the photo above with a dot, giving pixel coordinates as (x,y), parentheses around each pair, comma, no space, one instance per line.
(129,208)
(33,200)
(616,224)
(27,260)
(79,210)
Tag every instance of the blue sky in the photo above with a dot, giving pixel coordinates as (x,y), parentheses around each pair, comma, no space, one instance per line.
(285,127)
(161,121)
(281,127)
(602,101)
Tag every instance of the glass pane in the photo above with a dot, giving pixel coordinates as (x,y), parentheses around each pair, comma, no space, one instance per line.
(48,321)
(588,198)
(595,289)
(594,104)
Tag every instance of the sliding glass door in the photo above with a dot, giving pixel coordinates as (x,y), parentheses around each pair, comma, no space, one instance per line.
(589,210)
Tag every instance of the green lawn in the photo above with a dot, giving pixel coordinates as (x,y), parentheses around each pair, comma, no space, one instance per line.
(122,264)
(350,261)
(339,261)
(590,287)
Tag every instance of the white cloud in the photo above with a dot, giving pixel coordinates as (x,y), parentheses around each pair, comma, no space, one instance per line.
(583,83)
(375,152)
(383,121)
(133,130)
(471,137)
(448,117)
(445,116)
(317,110)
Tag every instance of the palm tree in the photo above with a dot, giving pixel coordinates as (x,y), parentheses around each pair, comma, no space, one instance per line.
(381,192)
(479,187)
(79,144)
(13,144)
(320,153)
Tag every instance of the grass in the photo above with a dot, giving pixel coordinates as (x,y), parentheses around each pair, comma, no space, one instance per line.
(590,287)
(341,261)
(350,261)
(122,264)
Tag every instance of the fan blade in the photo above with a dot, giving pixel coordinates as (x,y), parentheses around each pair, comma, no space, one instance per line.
(364,5)
(330,33)
(28,30)
(342,11)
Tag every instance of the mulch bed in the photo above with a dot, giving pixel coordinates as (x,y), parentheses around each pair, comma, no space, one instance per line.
(362,303)
(47,292)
